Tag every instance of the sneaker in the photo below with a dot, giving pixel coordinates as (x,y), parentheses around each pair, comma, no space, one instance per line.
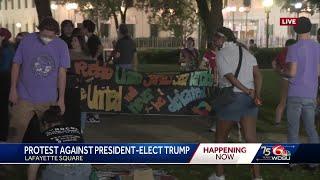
(215,177)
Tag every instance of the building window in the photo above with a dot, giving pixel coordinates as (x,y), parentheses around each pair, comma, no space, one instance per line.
(104,29)
(33,4)
(26,3)
(7,26)
(19,4)
(6,4)
(13,29)
(131,29)
(314,29)
(34,27)
(27,27)
(154,30)
(12,4)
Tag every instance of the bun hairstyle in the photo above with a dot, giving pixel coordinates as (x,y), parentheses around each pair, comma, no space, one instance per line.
(228,34)
(191,39)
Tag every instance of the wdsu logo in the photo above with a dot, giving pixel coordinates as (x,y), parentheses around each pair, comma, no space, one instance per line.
(276,153)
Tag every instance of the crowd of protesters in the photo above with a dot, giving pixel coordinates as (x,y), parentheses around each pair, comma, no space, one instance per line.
(33,75)
(33,72)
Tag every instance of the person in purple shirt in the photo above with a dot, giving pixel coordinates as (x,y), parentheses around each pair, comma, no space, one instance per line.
(303,60)
(38,73)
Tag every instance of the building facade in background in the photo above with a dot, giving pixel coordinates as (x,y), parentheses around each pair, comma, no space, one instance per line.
(246,17)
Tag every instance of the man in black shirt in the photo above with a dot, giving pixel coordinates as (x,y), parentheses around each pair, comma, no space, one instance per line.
(126,56)
(66,32)
(93,41)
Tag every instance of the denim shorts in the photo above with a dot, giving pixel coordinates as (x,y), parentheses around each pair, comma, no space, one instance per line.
(242,106)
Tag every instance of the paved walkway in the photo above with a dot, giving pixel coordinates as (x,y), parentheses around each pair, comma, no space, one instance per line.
(130,128)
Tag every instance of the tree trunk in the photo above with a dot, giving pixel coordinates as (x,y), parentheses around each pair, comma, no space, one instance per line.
(123,18)
(43,9)
(212,18)
(115,18)
(216,18)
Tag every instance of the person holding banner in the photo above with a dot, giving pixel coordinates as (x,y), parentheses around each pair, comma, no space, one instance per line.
(189,56)
(125,48)
(79,49)
(38,73)
(66,31)
(240,84)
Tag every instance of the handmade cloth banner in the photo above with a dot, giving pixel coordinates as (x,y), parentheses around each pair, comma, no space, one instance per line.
(112,89)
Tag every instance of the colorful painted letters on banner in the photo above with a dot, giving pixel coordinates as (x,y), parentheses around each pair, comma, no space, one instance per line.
(111,89)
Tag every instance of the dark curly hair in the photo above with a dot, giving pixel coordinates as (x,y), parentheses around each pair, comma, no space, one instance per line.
(88,24)
(49,24)
(65,23)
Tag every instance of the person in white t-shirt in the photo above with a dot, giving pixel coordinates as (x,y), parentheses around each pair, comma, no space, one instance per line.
(243,107)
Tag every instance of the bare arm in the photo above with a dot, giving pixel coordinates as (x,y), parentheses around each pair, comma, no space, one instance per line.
(290,71)
(14,75)
(33,171)
(257,81)
(62,86)
(13,97)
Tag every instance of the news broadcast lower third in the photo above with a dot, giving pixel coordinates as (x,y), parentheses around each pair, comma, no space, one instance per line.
(159,90)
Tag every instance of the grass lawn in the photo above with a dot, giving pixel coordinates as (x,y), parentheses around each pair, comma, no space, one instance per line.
(270,94)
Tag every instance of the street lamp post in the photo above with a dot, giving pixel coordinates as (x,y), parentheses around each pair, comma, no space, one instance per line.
(267,4)
(53,7)
(233,9)
(298,7)
(246,11)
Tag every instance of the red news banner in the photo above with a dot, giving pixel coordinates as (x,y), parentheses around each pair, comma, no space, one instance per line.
(288,21)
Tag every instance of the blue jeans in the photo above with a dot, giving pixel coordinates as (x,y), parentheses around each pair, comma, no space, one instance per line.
(305,108)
